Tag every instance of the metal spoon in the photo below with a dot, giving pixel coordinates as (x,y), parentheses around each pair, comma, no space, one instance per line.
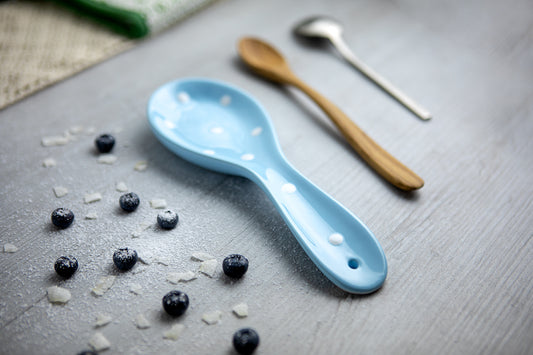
(320,28)
(269,63)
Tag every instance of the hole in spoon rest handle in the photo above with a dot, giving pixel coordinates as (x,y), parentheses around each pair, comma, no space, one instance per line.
(342,247)
(372,153)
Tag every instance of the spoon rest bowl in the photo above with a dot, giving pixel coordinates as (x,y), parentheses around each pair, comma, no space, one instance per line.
(222,128)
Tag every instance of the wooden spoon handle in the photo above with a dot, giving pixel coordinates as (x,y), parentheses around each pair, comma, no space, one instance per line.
(378,158)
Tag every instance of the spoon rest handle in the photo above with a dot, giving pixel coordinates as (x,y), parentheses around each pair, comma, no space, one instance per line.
(378,158)
(342,247)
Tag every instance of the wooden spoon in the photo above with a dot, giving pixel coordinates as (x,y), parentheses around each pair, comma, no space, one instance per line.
(269,63)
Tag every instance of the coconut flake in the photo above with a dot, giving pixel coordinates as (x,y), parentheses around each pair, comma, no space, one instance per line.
(99,342)
(58,295)
(136,288)
(103,285)
(92,197)
(175,277)
(140,229)
(141,322)
(60,191)
(201,256)
(107,159)
(91,215)
(76,129)
(212,317)
(174,332)
(121,186)
(49,162)
(52,141)
(141,165)
(208,267)
(158,203)
(240,310)
(102,319)
(10,248)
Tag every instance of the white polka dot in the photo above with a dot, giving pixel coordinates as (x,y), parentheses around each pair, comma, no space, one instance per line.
(217,130)
(257,131)
(225,100)
(336,239)
(209,152)
(183,97)
(247,156)
(169,124)
(288,188)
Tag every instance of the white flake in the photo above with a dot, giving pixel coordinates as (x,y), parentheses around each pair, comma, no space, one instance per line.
(99,342)
(107,159)
(103,285)
(141,165)
(240,310)
(136,288)
(121,186)
(141,322)
(49,162)
(52,141)
(140,229)
(208,267)
(212,317)
(76,129)
(201,256)
(174,332)
(91,215)
(102,319)
(175,277)
(58,294)
(60,191)
(158,203)
(92,197)
(10,248)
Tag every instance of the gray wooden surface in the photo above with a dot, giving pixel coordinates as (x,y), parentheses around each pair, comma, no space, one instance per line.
(459,250)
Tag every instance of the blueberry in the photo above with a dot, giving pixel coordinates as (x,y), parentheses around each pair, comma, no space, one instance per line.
(235,265)
(129,202)
(175,303)
(62,217)
(167,219)
(66,266)
(125,258)
(105,143)
(245,341)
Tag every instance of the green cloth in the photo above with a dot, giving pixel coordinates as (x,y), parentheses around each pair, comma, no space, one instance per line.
(136,18)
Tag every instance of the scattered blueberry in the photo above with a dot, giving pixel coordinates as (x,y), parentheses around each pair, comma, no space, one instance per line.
(235,265)
(125,258)
(62,217)
(175,303)
(66,266)
(105,143)
(245,341)
(167,219)
(129,202)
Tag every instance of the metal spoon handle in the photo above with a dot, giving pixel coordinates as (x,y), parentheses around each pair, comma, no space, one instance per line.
(373,154)
(383,83)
